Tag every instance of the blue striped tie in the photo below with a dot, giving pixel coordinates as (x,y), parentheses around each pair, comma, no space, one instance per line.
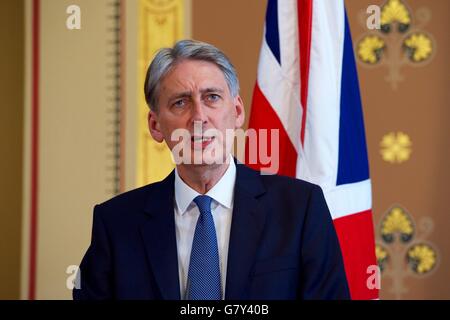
(204,270)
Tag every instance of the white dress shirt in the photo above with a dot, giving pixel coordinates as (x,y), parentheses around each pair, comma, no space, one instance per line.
(187,213)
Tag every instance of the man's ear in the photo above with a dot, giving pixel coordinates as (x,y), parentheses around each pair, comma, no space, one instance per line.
(154,127)
(240,111)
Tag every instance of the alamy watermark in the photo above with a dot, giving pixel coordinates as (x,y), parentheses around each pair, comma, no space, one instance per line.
(212,146)
(374,279)
(73,281)
(373,20)
(73,21)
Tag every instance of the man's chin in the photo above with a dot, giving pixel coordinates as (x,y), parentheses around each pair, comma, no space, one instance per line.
(201,159)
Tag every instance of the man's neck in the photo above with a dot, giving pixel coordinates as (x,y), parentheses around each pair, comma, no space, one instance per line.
(202,178)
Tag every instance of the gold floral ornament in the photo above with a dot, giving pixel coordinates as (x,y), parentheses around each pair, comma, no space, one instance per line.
(370,49)
(396,147)
(382,256)
(394,11)
(397,221)
(402,248)
(421,258)
(400,40)
(418,47)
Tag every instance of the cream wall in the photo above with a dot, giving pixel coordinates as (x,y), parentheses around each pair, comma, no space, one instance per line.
(75,140)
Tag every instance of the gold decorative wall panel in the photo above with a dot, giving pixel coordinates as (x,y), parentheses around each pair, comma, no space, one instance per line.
(161,24)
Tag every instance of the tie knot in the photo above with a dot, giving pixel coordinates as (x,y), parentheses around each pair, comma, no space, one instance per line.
(203,203)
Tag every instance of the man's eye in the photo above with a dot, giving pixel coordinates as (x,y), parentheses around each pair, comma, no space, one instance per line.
(179,103)
(213,97)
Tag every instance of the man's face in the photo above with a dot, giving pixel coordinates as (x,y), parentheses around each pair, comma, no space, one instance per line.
(195,96)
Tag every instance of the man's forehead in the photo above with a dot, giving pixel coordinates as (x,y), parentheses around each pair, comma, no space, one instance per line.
(195,69)
(201,77)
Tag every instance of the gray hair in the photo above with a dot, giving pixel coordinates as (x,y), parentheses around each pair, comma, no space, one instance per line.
(167,58)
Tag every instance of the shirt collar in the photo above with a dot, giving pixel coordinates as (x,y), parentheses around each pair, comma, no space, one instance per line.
(222,192)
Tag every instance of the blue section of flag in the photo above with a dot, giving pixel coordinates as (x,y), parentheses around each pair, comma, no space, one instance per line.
(353,165)
(272,37)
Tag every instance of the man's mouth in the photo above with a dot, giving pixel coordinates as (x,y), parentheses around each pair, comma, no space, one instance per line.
(201,141)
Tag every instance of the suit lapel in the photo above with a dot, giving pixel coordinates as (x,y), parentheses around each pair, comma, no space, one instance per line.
(160,240)
(246,228)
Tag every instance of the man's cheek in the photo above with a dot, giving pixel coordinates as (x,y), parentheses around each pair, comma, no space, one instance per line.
(171,141)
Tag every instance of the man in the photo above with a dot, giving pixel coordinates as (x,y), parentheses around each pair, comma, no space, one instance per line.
(213,228)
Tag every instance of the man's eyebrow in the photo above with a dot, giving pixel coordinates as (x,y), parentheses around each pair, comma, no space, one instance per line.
(211,89)
(187,94)
(180,95)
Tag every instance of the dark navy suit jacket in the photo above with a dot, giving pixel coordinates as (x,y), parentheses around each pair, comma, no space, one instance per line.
(283,244)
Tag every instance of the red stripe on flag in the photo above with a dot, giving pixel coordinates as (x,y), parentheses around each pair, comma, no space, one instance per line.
(356,238)
(304,8)
(264,117)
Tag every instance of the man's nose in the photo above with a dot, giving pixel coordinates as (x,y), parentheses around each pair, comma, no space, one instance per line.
(198,111)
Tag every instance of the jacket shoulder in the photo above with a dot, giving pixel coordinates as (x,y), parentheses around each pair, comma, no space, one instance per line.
(289,182)
(286,192)
(130,201)
(283,183)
